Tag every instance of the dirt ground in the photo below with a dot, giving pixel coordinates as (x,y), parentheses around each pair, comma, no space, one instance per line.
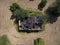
(51,35)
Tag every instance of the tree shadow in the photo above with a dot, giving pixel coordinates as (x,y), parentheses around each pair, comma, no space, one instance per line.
(52,19)
(12,17)
(53,14)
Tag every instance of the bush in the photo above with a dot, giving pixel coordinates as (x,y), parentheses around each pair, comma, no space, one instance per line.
(14,6)
(17,12)
(42,4)
(39,41)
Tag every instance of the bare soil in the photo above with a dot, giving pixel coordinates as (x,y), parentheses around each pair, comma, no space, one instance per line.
(51,35)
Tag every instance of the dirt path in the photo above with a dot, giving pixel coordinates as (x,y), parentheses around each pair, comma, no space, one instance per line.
(50,35)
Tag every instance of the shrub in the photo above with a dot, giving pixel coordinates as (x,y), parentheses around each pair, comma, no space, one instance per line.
(17,12)
(14,6)
(42,4)
(39,41)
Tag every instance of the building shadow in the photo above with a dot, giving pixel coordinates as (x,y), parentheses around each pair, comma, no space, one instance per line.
(30,31)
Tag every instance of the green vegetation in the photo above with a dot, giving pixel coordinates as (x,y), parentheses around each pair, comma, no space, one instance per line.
(4,40)
(19,13)
(14,7)
(42,4)
(34,13)
(39,41)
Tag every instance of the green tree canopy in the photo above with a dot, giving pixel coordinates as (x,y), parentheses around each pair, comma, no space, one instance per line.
(42,4)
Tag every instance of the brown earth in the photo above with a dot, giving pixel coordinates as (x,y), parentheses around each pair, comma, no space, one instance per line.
(51,35)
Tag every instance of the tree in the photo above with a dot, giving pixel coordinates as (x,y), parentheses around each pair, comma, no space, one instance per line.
(20,14)
(17,12)
(14,6)
(42,4)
